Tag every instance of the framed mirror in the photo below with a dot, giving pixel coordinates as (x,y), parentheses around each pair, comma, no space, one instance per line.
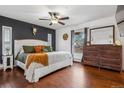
(6,40)
(102,35)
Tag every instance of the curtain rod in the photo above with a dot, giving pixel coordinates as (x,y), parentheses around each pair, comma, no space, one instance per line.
(81,28)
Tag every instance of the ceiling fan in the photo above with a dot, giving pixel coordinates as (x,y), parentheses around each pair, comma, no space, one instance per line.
(55,18)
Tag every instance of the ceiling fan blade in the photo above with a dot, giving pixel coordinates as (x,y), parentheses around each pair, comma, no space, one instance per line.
(50,13)
(64,18)
(56,14)
(43,19)
(51,23)
(61,23)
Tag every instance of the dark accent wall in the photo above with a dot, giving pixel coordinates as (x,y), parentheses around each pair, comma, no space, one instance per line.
(23,30)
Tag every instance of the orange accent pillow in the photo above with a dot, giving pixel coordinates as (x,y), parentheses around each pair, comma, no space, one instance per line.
(39,48)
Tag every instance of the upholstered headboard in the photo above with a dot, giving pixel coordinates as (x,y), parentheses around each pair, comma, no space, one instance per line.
(19,43)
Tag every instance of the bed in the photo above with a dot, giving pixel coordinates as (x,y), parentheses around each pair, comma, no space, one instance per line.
(56,59)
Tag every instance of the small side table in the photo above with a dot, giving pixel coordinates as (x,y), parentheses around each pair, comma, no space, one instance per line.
(7,61)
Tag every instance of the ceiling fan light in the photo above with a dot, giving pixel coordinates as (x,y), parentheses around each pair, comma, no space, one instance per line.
(54,21)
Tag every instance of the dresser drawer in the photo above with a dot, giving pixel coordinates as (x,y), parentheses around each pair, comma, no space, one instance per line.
(92,63)
(110,61)
(111,54)
(104,56)
(89,48)
(91,58)
(113,48)
(91,53)
(118,68)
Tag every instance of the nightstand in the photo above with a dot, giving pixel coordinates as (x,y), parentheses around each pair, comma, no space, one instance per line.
(7,61)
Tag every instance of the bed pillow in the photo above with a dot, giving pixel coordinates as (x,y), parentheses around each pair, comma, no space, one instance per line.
(47,49)
(28,49)
(39,48)
(16,58)
(21,51)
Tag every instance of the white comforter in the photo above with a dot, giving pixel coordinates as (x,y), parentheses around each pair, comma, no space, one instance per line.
(53,57)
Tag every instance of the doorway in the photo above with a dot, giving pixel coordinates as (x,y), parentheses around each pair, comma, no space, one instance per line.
(77,45)
(79,39)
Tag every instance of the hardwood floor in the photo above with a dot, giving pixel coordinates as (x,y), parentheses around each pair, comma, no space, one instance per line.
(76,76)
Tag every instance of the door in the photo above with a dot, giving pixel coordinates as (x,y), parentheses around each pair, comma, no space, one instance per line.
(77,45)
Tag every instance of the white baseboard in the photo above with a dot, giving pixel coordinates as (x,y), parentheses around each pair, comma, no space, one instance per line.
(77,60)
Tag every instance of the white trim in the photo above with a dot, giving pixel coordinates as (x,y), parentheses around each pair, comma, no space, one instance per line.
(77,60)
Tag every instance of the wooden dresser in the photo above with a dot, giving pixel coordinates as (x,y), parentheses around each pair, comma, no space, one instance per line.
(103,56)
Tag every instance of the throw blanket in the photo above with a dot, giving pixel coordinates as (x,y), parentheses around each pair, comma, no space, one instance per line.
(41,58)
(30,71)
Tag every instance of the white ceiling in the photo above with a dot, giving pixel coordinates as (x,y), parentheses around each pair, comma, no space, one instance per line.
(77,13)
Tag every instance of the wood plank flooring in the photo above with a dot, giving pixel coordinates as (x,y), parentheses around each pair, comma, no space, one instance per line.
(77,76)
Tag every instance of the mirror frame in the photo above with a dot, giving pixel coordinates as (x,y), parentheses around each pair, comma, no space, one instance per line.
(102,28)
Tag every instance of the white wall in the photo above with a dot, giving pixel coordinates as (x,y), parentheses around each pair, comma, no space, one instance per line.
(62,45)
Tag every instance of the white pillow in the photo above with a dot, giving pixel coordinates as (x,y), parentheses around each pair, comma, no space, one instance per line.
(21,51)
